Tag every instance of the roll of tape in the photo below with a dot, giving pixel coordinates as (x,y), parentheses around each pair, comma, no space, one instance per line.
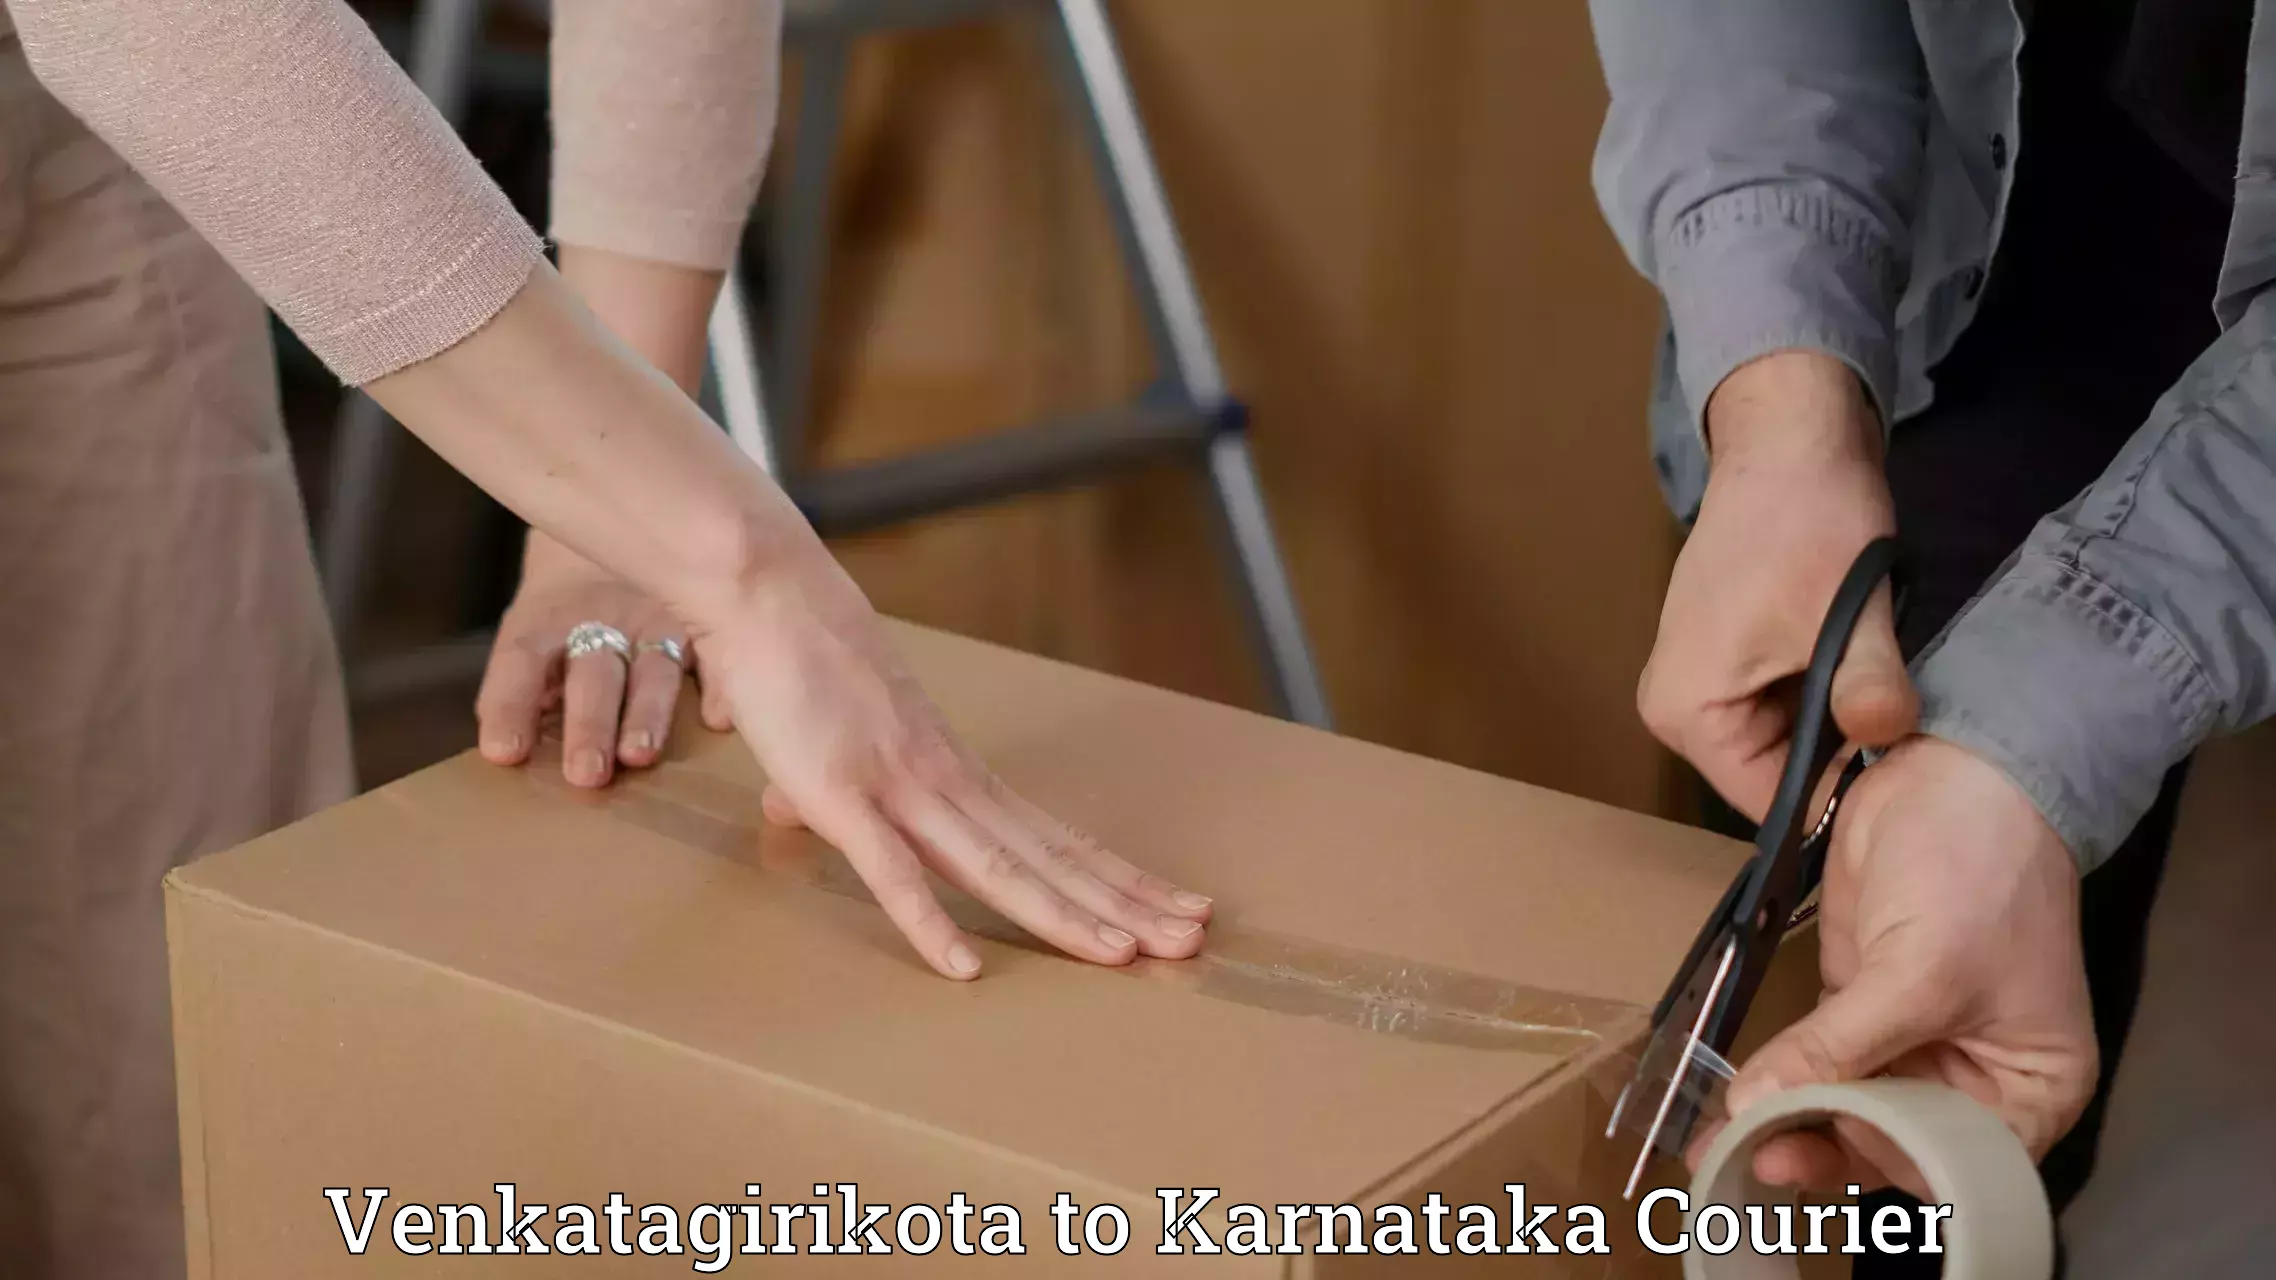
(1999,1229)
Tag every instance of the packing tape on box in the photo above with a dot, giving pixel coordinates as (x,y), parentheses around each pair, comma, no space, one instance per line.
(1564,1157)
(1385,995)
(2000,1227)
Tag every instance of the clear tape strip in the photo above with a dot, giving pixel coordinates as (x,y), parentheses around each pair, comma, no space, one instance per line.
(1557,1152)
(1635,1079)
(1383,995)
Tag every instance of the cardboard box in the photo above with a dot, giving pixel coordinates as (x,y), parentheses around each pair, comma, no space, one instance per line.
(476,976)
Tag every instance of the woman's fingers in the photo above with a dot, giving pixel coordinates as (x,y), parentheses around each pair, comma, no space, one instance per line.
(1099,861)
(980,863)
(592,701)
(895,877)
(617,704)
(718,714)
(512,699)
(779,808)
(1170,935)
(653,692)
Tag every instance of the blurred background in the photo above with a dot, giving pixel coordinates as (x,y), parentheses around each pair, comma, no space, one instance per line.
(1444,356)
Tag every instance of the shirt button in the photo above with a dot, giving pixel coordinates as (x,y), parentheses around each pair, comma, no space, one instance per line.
(1975,283)
(1999,152)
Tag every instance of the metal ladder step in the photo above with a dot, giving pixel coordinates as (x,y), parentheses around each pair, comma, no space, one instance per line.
(1048,455)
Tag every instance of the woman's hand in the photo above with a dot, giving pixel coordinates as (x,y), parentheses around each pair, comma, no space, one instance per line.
(609,715)
(851,746)
(789,651)
(857,752)
(612,712)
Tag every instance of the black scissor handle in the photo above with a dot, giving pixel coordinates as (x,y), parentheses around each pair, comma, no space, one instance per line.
(1810,751)
(1775,880)
(1728,960)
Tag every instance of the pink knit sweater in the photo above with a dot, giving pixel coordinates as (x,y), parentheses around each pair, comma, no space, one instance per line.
(282,131)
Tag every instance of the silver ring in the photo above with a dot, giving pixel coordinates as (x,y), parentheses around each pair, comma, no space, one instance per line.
(670,648)
(592,637)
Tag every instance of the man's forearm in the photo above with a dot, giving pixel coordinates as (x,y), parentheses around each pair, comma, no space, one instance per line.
(1759,164)
(2138,620)
(1794,402)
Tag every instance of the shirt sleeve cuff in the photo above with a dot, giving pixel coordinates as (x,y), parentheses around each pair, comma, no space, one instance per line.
(2074,692)
(1772,268)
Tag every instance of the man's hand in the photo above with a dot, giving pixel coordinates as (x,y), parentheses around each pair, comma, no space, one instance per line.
(1950,951)
(1795,493)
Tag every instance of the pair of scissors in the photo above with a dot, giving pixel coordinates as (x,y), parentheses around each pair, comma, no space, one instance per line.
(1708,999)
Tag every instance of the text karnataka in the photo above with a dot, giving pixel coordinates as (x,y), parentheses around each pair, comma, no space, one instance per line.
(1191,1220)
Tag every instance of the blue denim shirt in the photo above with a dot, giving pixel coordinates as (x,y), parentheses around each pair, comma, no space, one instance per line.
(1834,176)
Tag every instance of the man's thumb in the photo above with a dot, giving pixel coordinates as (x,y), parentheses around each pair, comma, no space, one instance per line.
(1873,699)
(1853,1033)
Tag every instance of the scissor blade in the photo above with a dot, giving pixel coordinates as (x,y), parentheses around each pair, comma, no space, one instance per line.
(1682,1070)
(1620,1105)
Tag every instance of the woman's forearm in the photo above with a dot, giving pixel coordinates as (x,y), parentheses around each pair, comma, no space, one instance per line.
(662,114)
(283,132)
(660,310)
(565,424)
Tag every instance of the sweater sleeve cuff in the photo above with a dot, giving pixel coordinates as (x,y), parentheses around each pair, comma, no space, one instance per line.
(681,238)
(1772,268)
(463,297)
(2074,692)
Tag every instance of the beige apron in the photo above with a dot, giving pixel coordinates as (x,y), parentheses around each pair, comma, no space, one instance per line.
(168,684)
